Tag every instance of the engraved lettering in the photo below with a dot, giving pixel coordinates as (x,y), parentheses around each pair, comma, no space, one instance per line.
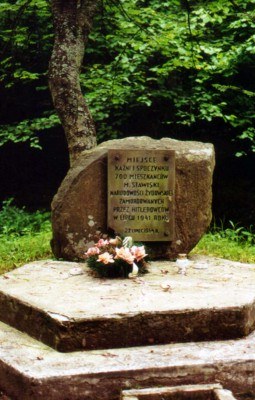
(140,193)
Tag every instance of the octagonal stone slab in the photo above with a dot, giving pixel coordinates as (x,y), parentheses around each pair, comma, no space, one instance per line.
(30,370)
(183,392)
(79,209)
(72,312)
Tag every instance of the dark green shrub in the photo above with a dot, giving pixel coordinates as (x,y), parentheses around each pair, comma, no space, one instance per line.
(18,221)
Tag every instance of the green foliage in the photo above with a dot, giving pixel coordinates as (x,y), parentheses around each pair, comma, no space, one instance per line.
(24,237)
(25,46)
(179,65)
(26,41)
(186,65)
(235,233)
(26,130)
(18,222)
(234,243)
(19,250)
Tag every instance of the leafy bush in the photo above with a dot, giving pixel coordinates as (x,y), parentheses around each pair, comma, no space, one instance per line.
(179,66)
(228,241)
(19,250)
(17,221)
(24,236)
(234,233)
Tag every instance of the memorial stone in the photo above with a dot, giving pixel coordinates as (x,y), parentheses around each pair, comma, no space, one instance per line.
(141,194)
(83,211)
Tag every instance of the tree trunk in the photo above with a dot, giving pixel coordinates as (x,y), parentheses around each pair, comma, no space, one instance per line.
(72,23)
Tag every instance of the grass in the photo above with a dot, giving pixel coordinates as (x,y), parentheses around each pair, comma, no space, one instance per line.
(19,250)
(25,237)
(233,243)
(212,245)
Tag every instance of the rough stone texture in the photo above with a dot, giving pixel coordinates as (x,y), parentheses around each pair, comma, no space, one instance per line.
(79,210)
(29,370)
(183,392)
(72,312)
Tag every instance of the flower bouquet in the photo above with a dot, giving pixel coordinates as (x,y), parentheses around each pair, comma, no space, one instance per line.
(116,258)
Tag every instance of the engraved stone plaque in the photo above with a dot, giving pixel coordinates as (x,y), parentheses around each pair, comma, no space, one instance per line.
(141,194)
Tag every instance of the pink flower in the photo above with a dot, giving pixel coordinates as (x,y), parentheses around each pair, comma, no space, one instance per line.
(138,252)
(102,243)
(124,254)
(92,251)
(105,258)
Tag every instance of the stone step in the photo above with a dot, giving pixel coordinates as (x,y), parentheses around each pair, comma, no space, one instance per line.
(182,392)
(30,370)
(70,312)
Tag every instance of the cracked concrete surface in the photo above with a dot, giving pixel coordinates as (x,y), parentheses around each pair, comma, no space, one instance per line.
(31,370)
(36,371)
(74,312)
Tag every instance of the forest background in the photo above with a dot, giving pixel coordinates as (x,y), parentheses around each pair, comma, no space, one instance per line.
(177,68)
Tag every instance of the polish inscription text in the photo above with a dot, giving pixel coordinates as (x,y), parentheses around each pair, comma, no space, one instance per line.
(141,194)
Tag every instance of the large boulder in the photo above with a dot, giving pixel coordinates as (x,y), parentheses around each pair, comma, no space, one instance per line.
(79,209)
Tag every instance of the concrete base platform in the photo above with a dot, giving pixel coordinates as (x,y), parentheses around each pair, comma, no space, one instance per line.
(72,312)
(183,392)
(30,370)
